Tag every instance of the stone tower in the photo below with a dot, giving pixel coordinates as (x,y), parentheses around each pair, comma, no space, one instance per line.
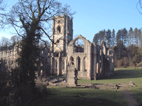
(62,34)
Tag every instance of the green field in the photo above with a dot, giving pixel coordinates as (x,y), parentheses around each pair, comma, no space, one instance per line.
(63,96)
(121,75)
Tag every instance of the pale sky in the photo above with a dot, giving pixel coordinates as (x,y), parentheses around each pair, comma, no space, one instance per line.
(95,15)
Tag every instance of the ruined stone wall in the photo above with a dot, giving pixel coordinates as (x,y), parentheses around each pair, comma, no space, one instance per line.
(43,62)
(86,61)
(8,57)
(110,57)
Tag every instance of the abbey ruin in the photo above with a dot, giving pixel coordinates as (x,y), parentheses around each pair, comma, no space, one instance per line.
(90,60)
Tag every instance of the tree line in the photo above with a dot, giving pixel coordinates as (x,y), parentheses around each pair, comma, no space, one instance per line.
(127,45)
(127,37)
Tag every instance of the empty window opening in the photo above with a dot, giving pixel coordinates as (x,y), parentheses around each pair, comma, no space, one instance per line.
(78,63)
(85,65)
(58,29)
(79,45)
(56,54)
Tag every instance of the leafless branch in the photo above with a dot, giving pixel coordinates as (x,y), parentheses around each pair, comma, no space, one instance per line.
(139,4)
(18,32)
(47,35)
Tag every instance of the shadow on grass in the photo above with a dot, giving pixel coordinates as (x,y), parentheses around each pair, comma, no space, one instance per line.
(137,93)
(77,101)
(82,97)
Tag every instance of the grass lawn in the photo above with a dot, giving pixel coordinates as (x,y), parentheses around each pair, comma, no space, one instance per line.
(62,96)
(121,75)
(124,75)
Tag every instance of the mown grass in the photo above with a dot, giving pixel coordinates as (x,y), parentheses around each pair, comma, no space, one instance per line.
(63,96)
(124,76)
(121,75)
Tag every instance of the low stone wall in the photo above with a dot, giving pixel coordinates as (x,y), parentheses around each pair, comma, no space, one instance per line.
(82,75)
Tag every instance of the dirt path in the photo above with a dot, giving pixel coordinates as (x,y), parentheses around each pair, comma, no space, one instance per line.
(129,97)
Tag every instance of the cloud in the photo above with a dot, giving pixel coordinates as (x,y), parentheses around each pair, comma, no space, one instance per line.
(5,35)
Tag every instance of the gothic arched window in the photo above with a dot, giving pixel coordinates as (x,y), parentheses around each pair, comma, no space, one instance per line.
(79,45)
(58,29)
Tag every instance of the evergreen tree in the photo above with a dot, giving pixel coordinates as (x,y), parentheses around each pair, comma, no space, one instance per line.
(95,39)
(99,37)
(118,37)
(108,37)
(119,43)
(113,38)
(136,36)
(140,38)
(130,37)
(124,36)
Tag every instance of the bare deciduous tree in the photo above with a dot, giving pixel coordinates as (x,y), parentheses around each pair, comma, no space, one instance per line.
(4,41)
(30,18)
(2,14)
(139,6)
(14,39)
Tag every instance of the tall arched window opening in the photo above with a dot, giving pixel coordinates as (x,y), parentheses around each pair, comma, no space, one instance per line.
(58,29)
(84,64)
(78,63)
(79,45)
